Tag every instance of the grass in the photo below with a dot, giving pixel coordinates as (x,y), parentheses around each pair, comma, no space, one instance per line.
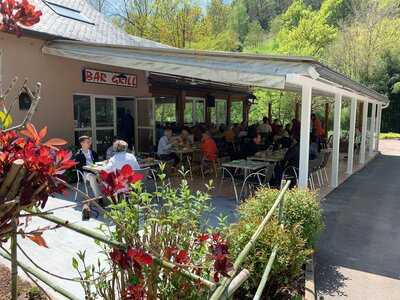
(389,135)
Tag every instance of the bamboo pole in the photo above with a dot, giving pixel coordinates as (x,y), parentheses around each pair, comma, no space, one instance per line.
(100,237)
(237,282)
(14,264)
(265,276)
(219,292)
(41,277)
(272,257)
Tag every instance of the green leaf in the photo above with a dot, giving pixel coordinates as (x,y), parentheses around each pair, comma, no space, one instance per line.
(75,263)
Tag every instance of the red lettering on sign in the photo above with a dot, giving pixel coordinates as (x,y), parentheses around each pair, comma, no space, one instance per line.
(88,75)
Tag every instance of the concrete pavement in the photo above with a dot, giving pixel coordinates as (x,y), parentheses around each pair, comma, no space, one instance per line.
(358,255)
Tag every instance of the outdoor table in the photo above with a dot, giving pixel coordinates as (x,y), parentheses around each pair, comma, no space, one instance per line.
(245,165)
(99,166)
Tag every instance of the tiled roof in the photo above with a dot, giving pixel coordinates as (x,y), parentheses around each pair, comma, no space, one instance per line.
(102,32)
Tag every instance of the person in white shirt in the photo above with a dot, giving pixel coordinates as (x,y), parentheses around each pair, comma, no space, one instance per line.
(265,128)
(164,149)
(121,158)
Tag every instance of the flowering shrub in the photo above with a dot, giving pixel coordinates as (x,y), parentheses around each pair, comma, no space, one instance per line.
(42,163)
(162,225)
(17,13)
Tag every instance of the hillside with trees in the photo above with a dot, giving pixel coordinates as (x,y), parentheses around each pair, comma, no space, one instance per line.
(360,38)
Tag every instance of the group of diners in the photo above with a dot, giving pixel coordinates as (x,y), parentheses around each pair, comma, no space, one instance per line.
(117,157)
(241,141)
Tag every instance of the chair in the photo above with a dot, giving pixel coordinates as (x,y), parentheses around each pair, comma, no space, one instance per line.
(148,175)
(312,168)
(79,175)
(290,173)
(223,171)
(260,178)
(213,163)
(322,168)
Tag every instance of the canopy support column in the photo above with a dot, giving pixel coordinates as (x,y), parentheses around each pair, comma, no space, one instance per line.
(326,119)
(228,110)
(372,130)
(378,127)
(350,155)
(306,99)
(336,141)
(364,133)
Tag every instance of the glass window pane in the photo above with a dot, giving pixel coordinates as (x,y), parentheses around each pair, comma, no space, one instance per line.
(220,107)
(145,140)
(104,139)
(237,112)
(165,112)
(82,115)
(189,112)
(104,112)
(199,116)
(145,112)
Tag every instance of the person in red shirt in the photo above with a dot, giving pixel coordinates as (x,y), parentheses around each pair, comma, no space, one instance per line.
(317,128)
(208,147)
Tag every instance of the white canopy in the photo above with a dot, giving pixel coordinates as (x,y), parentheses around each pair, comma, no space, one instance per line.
(275,72)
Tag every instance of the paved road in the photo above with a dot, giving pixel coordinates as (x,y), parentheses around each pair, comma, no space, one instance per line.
(358,255)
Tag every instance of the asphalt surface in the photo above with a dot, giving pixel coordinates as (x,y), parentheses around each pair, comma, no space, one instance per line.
(358,254)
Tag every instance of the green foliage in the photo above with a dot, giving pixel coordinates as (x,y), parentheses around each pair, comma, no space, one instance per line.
(389,135)
(303,223)
(169,218)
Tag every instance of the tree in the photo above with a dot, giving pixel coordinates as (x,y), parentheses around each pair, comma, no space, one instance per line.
(303,31)
(239,20)
(372,31)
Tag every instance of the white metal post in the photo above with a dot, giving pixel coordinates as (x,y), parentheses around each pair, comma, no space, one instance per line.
(378,126)
(372,130)
(350,155)
(306,99)
(336,141)
(364,133)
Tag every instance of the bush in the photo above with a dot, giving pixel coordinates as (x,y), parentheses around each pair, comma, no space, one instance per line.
(389,135)
(303,223)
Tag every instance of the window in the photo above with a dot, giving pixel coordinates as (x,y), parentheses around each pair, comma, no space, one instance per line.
(237,112)
(218,113)
(67,12)
(166,110)
(194,110)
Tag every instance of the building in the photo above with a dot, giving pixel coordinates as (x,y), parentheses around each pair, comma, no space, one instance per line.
(90,98)
(94,76)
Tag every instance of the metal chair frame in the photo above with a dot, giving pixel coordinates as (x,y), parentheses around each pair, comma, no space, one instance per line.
(262,176)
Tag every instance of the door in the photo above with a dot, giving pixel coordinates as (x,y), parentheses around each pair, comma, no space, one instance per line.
(104,116)
(144,125)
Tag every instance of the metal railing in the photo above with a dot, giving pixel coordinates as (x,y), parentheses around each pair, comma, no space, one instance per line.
(223,290)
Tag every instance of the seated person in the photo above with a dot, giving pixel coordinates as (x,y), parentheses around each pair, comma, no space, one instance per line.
(164,149)
(85,156)
(208,147)
(254,146)
(314,147)
(110,151)
(291,159)
(186,139)
(121,158)
(229,134)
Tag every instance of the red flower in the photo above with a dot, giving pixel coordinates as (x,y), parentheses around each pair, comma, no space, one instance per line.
(140,257)
(120,258)
(134,292)
(182,257)
(14,13)
(118,181)
(220,252)
(202,238)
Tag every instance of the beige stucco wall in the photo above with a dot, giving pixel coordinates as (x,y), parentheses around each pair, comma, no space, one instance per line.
(60,79)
